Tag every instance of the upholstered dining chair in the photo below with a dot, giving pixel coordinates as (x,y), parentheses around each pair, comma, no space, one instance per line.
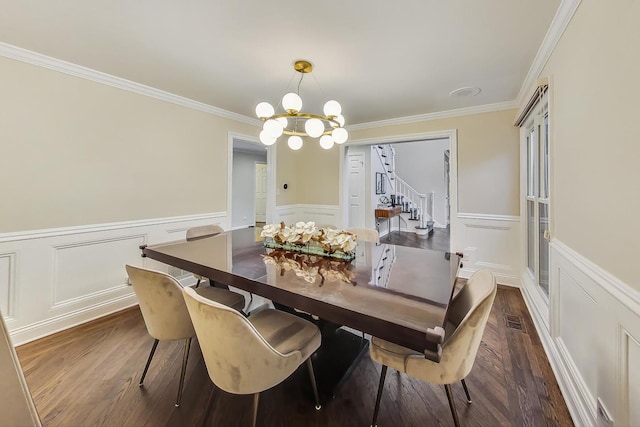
(251,355)
(198,233)
(165,313)
(365,234)
(467,316)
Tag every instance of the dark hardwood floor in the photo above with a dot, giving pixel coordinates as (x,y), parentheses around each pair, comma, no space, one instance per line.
(437,240)
(88,376)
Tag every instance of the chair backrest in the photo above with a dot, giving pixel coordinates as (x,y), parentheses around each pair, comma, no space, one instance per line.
(239,360)
(365,234)
(161,303)
(204,231)
(470,312)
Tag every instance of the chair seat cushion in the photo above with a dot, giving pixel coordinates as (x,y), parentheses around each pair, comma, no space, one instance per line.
(286,332)
(222,296)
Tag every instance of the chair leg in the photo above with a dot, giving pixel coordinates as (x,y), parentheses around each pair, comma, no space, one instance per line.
(383,375)
(466,391)
(198,283)
(452,405)
(256,400)
(313,383)
(146,367)
(185,359)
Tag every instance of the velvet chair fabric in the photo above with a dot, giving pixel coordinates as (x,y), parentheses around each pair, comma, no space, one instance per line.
(468,317)
(204,231)
(250,355)
(164,312)
(365,234)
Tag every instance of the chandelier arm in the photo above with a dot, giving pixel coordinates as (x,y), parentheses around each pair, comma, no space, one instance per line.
(331,119)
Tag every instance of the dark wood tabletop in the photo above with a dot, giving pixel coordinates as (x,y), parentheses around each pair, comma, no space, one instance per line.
(397,293)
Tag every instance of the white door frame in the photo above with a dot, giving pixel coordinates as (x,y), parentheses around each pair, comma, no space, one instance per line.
(271,174)
(457,243)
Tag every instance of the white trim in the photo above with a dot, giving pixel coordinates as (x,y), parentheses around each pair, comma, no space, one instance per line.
(64,231)
(38,59)
(619,290)
(489,217)
(467,111)
(560,21)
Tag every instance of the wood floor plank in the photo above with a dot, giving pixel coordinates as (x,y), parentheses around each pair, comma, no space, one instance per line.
(88,376)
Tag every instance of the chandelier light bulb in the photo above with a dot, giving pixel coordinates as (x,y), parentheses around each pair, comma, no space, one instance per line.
(340,119)
(326,142)
(340,135)
(273,127)
(283,122)
(294,142)
(332,108)
(264,110)
(291,102)
(314,128)
(266,138)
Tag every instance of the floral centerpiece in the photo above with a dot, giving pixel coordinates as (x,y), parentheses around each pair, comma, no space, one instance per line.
(310,267)
(306,237)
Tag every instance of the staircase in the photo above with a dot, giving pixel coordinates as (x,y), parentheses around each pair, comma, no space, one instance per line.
(416,206)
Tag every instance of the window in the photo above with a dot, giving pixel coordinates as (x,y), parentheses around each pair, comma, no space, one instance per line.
(536,193)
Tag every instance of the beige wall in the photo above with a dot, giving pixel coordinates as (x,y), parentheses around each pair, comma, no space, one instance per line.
(77,152)
(311,174)
(488,163)
(595,84)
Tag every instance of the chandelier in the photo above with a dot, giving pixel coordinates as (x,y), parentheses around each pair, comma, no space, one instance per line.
(328,127)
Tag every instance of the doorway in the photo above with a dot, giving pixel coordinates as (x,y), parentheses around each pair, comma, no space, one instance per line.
(251,188)
(445,206)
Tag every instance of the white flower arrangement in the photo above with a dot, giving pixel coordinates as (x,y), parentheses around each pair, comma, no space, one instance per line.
(306,233)
(310,267)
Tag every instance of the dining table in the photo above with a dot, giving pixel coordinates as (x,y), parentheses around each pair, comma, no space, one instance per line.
(397,293)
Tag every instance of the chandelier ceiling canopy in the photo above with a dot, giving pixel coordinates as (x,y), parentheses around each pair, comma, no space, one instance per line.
(329,127)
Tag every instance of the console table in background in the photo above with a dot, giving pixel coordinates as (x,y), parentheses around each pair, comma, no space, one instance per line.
(389,213)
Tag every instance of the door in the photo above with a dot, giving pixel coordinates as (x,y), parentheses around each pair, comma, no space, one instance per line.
(261,192)
(357,196)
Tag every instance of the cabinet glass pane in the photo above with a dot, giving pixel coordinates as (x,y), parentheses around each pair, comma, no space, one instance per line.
(543,248)
(531,230)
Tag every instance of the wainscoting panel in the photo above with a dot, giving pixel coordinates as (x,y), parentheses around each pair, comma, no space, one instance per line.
(71,275)
(320,214)
(491,242)
(86,269)
(593,338)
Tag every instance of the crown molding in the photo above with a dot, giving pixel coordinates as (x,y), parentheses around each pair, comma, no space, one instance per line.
(38,59)
(486,108)
(560,21)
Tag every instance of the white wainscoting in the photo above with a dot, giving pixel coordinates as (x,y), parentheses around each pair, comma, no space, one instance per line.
(320,214)
(490,242)
(592,338)
(54,279)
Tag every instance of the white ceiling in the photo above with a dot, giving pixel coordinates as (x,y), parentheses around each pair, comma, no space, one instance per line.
(380,59)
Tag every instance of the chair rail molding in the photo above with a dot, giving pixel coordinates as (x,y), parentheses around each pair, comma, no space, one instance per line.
(591,336)
(54,279)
